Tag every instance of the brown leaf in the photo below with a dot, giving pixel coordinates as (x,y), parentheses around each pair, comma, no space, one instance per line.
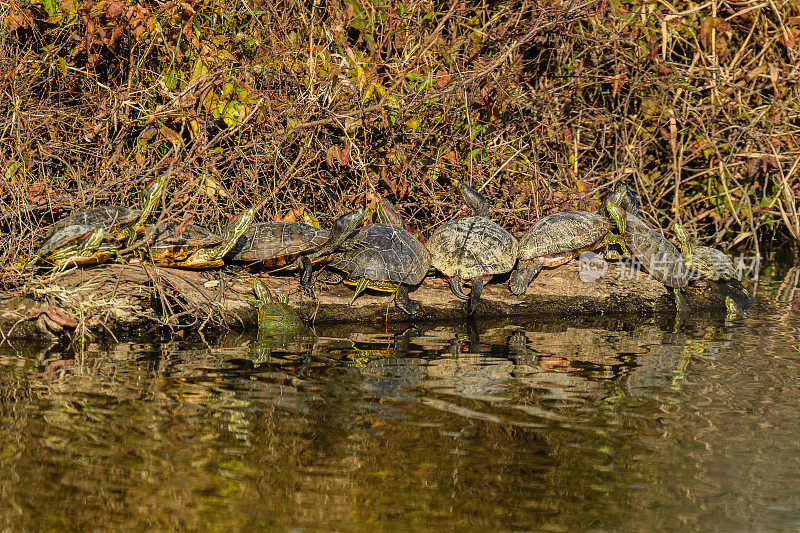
(15,18)
(344,156)
(139,156)
(653,51)
(115,9)
(442,78)
(170,135)
(752,167)
(331,154)
(705,30)
(789,38)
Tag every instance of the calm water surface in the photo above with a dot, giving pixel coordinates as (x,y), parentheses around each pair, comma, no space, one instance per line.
(608,423)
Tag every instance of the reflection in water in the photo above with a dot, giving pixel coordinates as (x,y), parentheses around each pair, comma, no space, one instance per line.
(574,424)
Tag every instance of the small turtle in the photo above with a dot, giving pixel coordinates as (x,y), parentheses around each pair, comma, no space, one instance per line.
(278,323)
(280,243)
(123,223)
(80,245)
(710,263)
(195,247)
(472,248)
(706,261)
(652,251)
(384,257)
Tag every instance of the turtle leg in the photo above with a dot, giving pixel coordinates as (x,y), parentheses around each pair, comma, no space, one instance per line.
(680,301)
(362,285)
(305,276)
(402,300)
(520,279)
(455,286)
(475,294)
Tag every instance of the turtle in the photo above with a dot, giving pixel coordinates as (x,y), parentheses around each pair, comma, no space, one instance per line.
(195,247)
(280,243)
(80,245)
(472,248)
(274,313)
(278,323)
(384,257)
(119,223)
(558,238)
(123,223)
(652,251)
(710,263)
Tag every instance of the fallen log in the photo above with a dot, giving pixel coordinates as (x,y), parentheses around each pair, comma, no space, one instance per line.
(122,299)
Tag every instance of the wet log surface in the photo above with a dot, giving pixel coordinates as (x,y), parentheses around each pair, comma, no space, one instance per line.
(134,299)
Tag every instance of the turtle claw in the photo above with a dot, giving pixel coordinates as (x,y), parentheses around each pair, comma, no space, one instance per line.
(475,295)
(455,286)
(402,300)
(520,279)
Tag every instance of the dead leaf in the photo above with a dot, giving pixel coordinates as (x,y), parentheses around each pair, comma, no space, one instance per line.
(442,78)
(344,156)
(705,30)
(115,9)
(789,37)
(752,167)
(331,155)
(170,135)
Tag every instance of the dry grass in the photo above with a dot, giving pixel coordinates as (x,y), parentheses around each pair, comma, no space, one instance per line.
(299,107)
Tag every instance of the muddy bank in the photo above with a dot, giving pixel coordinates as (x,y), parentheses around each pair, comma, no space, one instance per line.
(134,299)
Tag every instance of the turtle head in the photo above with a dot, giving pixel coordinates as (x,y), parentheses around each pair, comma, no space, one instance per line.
(681,233)
(473,199)
(263,294)
(732,309)
(617,215)
(230,235)
(147,200)
(150,195)
(625,198)
(342,228)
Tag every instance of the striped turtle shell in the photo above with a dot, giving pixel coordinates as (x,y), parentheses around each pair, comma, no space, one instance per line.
(170,241)
(383,252)
(277,243)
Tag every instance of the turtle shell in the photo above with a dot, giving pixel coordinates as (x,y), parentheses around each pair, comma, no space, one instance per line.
(272,241)
(383,252)
(563,232)
(472,246)
(662,260)
(63,237)
(721,264)
(111,217)
(176,244)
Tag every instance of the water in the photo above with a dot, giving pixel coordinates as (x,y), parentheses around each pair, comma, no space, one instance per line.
(593,424)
